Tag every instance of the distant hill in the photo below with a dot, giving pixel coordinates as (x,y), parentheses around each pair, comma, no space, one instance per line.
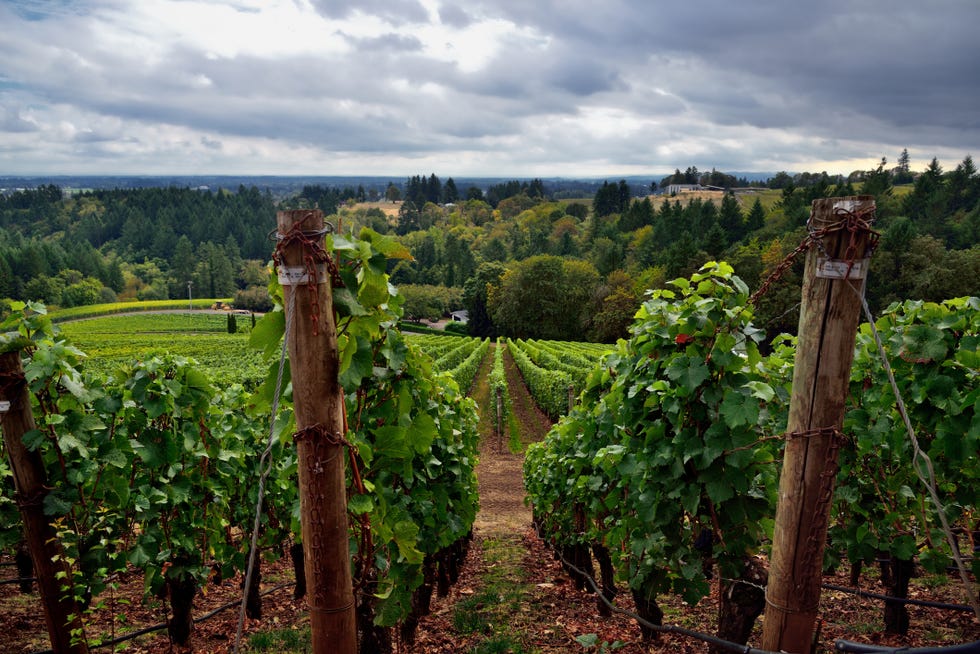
(285,185)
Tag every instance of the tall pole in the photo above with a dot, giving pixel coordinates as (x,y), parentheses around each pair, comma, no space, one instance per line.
(190,302)
(318,405)
(61,613)
(833,283)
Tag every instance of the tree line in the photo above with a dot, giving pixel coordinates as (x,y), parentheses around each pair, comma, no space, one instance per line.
(487,245)
(517,260)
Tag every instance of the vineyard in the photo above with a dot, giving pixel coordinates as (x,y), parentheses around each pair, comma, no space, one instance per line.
(665,472)
(145,462)
(659,477)
(555,372)
(109,341)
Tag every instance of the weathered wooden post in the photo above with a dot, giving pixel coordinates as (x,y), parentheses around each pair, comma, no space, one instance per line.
(318,404)
(836,267)
(61,612)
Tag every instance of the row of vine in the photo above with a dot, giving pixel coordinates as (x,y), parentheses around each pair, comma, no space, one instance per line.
(666,469)
(146,465)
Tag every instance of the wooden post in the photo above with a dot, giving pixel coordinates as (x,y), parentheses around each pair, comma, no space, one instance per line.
(829,316)
(500,421)
(318,404)
(30,483)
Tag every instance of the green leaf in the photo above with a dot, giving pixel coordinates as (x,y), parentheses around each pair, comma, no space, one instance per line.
(719,490)
(360,504)
(688,372)
(924,343)
(357,361)
(761,390)
(268,333)
(140,556)
(56,505)
(406,535)
(386,245)
(347,304)
(738,410)
(904,547)
(373,289)
(391,442)
(33,439)
(422,432)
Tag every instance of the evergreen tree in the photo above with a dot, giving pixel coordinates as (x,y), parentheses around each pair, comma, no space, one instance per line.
(433,190)
(714,241)
(450,195)
(408,218)
(730,218)
(233,253)
(961,187)
(8,286)
(756,219)
(638,214)
(610,199)
(877,182)
(927,203)
(494,250)
(903,172)
(679,256)
(114,276)
(215,276)
(182,268)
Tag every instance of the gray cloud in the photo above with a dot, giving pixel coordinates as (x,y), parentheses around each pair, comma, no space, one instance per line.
(396,11)
(388,43)
(12,120)
(452,14)
(760,85)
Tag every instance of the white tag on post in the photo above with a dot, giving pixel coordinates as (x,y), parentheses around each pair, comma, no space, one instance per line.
(836,268)
(4,406)
(298,275)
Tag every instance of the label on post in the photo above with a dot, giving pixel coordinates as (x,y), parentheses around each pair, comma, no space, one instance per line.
(828,268)
(4,406)
(296,275)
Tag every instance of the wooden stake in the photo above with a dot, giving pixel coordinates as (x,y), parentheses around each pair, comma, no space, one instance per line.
(30,483)
(500,420)
(318,404)
(829,316)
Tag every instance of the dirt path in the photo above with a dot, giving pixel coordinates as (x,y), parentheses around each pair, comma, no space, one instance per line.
(512,596)
(500,473)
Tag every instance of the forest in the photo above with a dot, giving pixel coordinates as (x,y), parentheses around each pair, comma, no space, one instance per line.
(517,254)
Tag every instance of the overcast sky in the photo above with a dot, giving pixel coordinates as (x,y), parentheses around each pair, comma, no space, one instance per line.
(484,87)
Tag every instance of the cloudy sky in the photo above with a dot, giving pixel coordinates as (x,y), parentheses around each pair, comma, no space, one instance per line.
(484,87)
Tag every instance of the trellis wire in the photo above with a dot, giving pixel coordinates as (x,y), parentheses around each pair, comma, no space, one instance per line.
(666,629)
(899,600)
(878,596)
(163,625)
(860,648)
(263,461)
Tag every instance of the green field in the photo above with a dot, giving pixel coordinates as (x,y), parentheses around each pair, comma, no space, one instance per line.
(119,339)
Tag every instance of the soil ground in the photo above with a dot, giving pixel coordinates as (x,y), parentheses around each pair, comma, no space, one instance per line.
(512,595)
